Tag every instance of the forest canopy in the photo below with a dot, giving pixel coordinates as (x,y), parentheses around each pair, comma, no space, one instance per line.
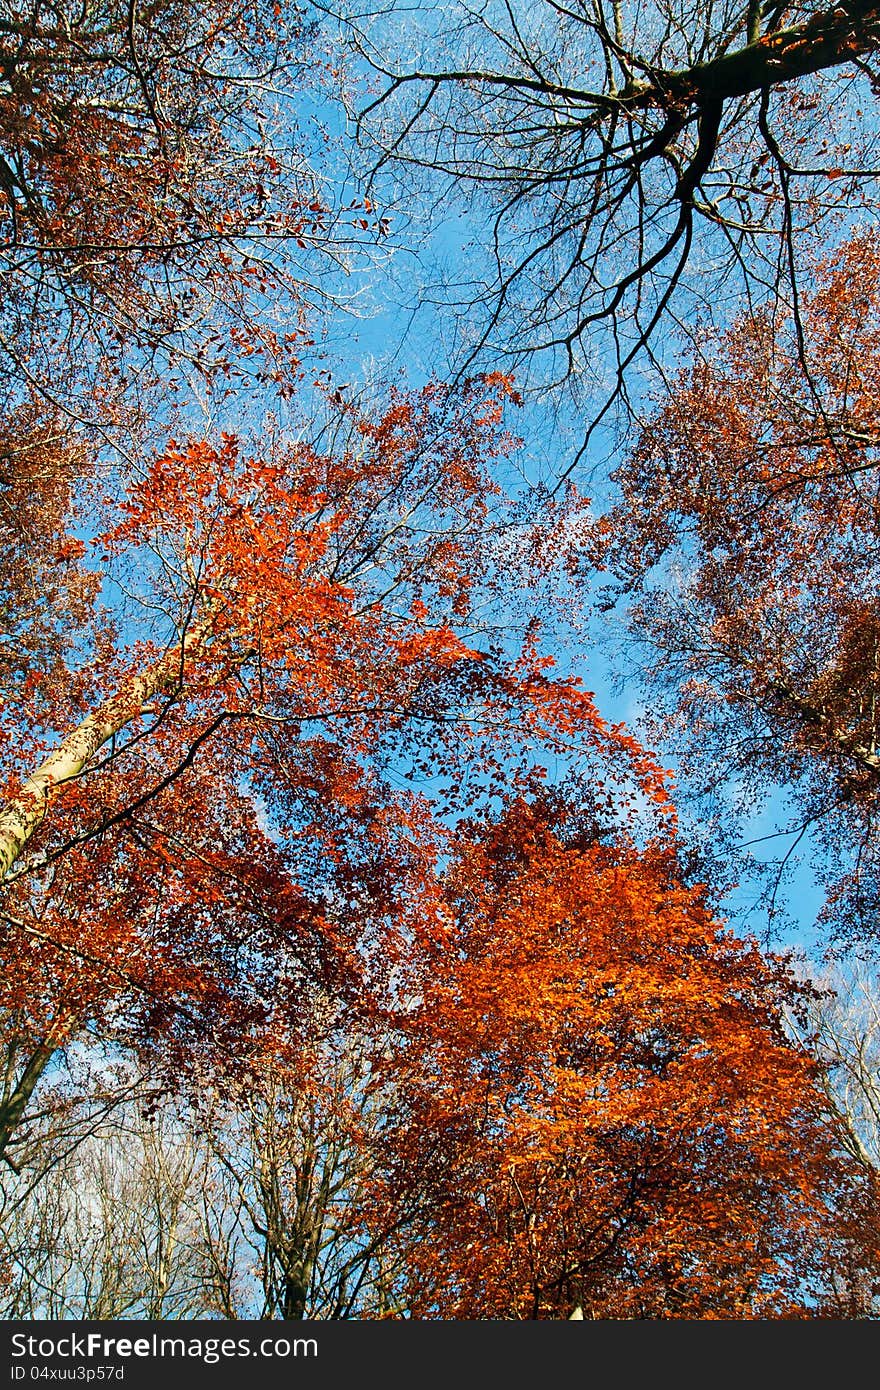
(379,389)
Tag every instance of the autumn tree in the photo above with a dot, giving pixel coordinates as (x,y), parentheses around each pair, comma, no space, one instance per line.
(240,789)
(599,1099)
(580,1097)
(159,220)
(746,538)
(626,168)
(45,593)
(276,731)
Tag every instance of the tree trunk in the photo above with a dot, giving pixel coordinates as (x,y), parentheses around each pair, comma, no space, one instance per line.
(25,812)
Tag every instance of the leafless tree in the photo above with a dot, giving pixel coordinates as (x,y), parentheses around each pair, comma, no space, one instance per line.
(264,1199)
(104,1223)
(843,1023)
(632,167)
(296,1198)
(840,1023)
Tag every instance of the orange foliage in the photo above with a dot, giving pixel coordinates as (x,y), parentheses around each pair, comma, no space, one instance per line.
(265,784)
(598,1102)
(206,824)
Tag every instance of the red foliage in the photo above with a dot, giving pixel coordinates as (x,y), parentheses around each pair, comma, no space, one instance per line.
(205,825)
(145,194)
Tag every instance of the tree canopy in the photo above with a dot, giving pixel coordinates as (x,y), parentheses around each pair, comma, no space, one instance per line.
(601,1101)
(746,538)
(356,961)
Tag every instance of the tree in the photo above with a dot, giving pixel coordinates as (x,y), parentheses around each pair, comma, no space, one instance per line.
(638,164)
(840,1026)
(843,1022)
(598,1101)
(117,1232)
(297,1159)
(247,1196)
(45,594)
(746,537)
(205,822)
(580,1098)
(275,733)
(154,199)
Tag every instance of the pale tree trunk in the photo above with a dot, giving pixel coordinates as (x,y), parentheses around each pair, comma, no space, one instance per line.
(23,815)
(25,812)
